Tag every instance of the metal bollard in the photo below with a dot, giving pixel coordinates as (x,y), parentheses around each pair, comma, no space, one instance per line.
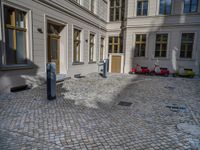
(107,65)
(105,68)
(51,81)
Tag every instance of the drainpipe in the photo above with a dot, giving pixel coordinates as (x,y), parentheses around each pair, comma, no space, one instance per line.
(0,23)
(1,36)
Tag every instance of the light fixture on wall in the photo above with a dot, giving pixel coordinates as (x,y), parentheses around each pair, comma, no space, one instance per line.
(39,30)
(86,41)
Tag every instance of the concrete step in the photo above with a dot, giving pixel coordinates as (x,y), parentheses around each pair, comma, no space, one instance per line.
(62,77)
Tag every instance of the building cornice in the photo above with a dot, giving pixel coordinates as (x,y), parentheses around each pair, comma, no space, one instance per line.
(162,25)
(75,15)
(105,1)
(84,9)
(164,16)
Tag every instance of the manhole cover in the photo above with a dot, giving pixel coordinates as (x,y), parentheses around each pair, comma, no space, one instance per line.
(176,108)
(170,87)
(125,103)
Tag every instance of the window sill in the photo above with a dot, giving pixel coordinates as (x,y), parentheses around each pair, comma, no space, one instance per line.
(160,58)
(15,67)
(78,63)
(142,57)
(185,59)
(116,53)
(139,56)
(101,61)
(165,15)
(190,13)
(92,62)
(115,22)
(142,16)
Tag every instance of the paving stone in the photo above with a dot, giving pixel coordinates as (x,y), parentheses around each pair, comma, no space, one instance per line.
(85,114)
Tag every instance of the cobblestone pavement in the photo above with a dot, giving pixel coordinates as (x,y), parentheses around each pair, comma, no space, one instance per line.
(86,115)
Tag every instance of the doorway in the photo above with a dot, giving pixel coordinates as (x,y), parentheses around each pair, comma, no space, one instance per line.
(116,64)
(53,44)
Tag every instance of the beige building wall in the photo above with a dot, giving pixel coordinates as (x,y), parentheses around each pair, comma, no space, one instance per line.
(70,15)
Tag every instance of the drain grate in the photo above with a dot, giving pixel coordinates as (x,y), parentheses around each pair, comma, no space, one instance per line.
(20,88)
(170,87)
(78,76)
(122,103)
(176,108)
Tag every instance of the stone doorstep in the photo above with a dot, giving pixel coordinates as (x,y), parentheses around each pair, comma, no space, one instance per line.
(62,77)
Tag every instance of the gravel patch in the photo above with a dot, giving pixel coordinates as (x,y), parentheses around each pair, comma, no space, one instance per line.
(94,89)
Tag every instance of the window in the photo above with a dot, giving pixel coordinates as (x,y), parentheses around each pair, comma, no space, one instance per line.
(116,10)
(140,45)
(187,42)
(115,44)
(190,6)
(78,1)
(161,45)
(142,8)
(15,36)
(92,6)
(102,49)
(77,42)
(165,7)
(91,48)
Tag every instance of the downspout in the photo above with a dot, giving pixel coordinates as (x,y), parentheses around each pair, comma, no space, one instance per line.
(123,30)
(1,36)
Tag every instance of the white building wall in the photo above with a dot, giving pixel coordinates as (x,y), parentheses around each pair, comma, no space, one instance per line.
(172,61)
(173,24)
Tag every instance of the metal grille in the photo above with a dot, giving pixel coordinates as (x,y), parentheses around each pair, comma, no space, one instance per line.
(122,103)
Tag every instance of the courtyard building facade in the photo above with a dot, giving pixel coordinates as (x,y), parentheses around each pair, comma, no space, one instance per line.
(161,32)
(34,32)
(78,34)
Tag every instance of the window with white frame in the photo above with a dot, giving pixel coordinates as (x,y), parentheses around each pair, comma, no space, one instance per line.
(115,44)
(165,7)
(161,45)
(77,46)
(102,49)
(187,42)
(190,6)
(92,48)
(116,10)
(92,5)
(140,45)
(15,36)
(142,7)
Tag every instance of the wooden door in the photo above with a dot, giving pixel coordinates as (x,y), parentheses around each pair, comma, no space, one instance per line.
(116,64)
(54,51)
